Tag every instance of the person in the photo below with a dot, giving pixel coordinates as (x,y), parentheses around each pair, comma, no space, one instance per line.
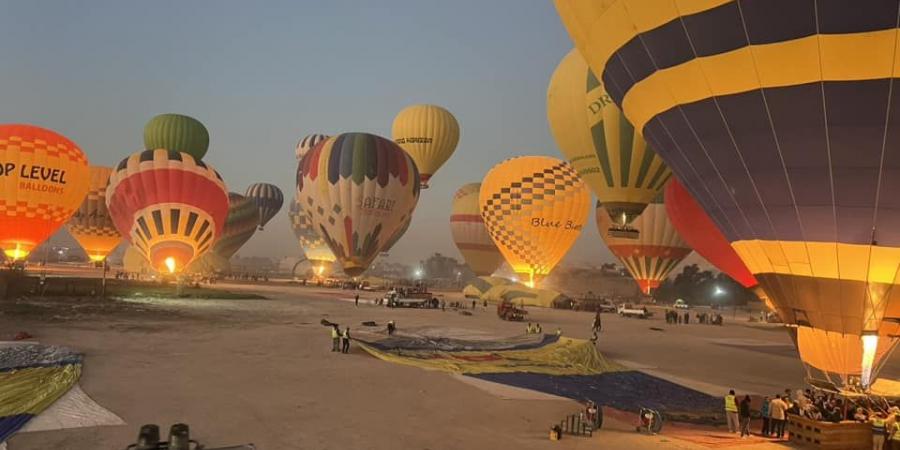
(895,432)
(744,415)
(558,331)
(356,300)
(443,305)
(485,303)
(345,340)
(391,327)
(731,412)
(764,413)
(474,302)
(777,408)
(879,430)
(335,338)
(687,317)
(538,330)
(529,329)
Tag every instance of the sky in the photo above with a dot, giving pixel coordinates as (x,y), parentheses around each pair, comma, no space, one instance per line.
(260,75)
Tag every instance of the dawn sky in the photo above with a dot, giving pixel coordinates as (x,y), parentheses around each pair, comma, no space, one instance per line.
(260,75)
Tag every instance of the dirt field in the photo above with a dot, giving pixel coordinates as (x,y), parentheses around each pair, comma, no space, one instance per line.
(261,371)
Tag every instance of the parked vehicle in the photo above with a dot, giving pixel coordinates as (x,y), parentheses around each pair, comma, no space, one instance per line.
(681,304)
(629,310)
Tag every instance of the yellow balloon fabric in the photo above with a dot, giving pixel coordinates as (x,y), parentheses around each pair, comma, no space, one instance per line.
(594,136)
(469,233)
(534,208)
(429,133)
(91,225)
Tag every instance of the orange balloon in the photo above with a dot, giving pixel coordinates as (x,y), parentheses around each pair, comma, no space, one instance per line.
(44,177)
(91,225)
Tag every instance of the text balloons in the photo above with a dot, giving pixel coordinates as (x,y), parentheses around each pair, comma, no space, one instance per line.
(169,206)
(358,189)
(598,141)
(91,225)
(45,177)
(429,133)
(534,208)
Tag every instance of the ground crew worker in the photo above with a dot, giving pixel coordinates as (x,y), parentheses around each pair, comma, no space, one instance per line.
(558,331)
(335,338)
(356,300)
(537,329)
(895,433)
(529,329)
(731,412)
(346,340)
(879,430)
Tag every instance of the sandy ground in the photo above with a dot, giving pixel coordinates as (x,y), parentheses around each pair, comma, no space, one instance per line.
(261,371)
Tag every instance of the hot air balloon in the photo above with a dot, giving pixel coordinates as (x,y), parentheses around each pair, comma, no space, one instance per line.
(45,178)
(358,189)
(177,133)
(429,133)
(307,143)
(268,198)
(593,134)
(91,225)
(534,208)
(701,234)
(169,206)
(397,235)
(240,224)
(314,247)
(469,233)
(656,251)
(778,119)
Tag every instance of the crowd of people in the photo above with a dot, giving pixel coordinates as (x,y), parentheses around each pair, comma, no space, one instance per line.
(674,317)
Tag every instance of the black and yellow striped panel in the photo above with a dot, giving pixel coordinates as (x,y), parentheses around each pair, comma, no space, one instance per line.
(180,223)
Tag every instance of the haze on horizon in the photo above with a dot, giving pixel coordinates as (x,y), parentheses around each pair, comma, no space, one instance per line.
(260,77)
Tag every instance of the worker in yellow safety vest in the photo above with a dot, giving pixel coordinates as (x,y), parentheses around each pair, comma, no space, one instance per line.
(731,412)
(879,430)
(335,338)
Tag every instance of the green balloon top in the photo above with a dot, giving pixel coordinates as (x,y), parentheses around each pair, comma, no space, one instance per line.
(177,132)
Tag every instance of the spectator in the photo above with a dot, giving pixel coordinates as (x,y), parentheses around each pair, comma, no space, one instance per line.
(744,413)
(777,409)
(764,412)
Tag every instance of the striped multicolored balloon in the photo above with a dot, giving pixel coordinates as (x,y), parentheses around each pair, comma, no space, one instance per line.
(359,189)
(171,207)
(308,143)
(469,233)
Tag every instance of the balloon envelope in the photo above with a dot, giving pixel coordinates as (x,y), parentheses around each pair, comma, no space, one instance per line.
(785,132)
(268,199)
(307,143)
(534,208)
(240,224)
(469,233)
(701,234)
(178,133)
(314,247)
(657,250)
(358,189)
(169,206)
(429,133)
(45,179)
(599,142)
(92,225)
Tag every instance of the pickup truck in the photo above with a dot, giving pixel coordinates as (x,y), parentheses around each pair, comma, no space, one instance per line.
(628,310)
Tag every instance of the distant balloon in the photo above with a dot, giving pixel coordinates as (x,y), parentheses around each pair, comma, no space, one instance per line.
(593,134)
(699,231)
(177,133)
(657,250)
(358,189)
(91,225)
(169,206)
(534,208)
(268,198)
(429,133)
(469,233)
(314,247)
(307,143)
(45,178)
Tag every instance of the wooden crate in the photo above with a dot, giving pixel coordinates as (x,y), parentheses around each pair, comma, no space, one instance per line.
(827,435)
